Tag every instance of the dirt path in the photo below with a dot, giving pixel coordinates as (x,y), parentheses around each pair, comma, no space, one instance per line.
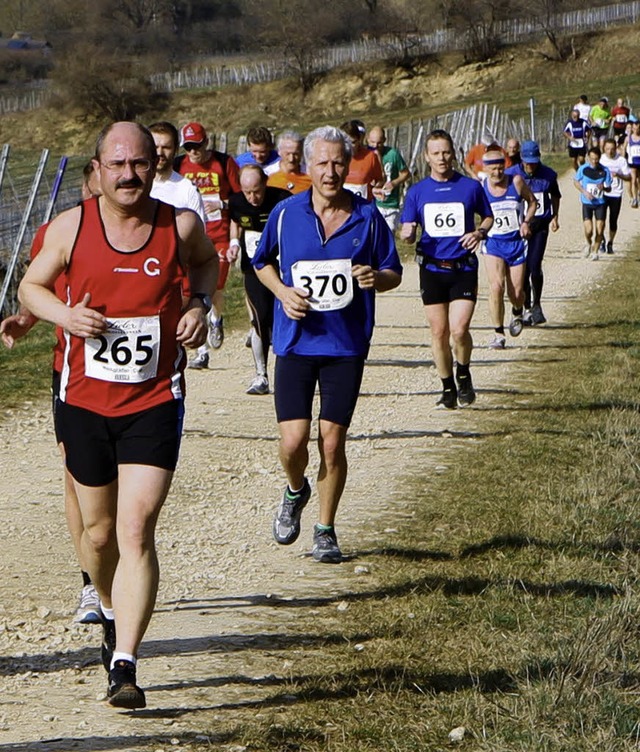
(224,630)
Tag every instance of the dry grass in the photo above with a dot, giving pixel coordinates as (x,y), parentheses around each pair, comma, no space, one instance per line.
(510,603)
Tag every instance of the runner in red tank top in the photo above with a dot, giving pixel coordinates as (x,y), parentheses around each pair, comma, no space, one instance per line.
(120,409)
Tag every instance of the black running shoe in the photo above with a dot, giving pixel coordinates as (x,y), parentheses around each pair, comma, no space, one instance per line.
(609,247)
(448,400)
(325,546)
(286,523)
(466,392)
(123,692)
(108,642)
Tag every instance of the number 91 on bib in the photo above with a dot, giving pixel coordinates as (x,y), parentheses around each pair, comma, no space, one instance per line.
(127,352)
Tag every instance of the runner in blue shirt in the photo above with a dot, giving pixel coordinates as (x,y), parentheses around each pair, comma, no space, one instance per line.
(505,250)
(543,183)
(577,132)
(260,151)
(592,180)
(324,254)
(444,205)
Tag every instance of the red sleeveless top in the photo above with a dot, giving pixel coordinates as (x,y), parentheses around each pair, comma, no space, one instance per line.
(137,363)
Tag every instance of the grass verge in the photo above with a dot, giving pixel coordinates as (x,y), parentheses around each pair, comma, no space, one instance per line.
(509,604)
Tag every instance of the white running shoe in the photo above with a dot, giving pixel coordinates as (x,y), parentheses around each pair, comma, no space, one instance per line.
(515,326)
(199,361)
(595,256)
(498,342)
(586,250)
(215,337)
(260,385)
(88,611)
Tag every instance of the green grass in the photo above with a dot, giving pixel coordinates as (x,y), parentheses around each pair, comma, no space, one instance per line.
(509,604)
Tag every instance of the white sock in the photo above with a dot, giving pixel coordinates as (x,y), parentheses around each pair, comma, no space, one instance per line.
(123,657)
(107,612)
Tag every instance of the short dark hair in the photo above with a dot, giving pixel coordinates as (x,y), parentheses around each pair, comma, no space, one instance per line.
(169,129)
(354,128)
(437,134)
(260,135)
(595,150)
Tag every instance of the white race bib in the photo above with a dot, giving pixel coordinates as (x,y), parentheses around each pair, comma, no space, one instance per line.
(359,190)
(540,199)
(329,283)
(621,118)
(251,240)
(444,220)
(505,217)
(576,143)
(594,189)
(127,352)
(634,151)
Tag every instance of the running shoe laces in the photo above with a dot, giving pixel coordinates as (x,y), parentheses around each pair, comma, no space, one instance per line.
(325,546)
(286,523)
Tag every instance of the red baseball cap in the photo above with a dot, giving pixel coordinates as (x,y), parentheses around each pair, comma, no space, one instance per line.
(192,133)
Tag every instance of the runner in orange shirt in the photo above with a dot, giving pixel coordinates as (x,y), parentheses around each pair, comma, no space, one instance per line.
(289,175)
(365,169)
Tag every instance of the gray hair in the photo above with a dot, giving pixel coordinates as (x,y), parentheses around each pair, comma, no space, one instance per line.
(289,136)
(332,135)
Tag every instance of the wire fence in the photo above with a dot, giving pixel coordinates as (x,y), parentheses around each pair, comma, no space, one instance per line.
(466,127)
(390,47)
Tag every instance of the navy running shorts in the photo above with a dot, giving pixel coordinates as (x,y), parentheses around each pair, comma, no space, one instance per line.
(338,379)
(599,212)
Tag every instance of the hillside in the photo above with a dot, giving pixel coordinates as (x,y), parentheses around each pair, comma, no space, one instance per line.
(604,64)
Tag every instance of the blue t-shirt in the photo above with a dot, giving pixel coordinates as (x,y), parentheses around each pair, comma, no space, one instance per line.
(578,131)
(247,158)
(446,211)
(594,180)
(342,318)
(543,184)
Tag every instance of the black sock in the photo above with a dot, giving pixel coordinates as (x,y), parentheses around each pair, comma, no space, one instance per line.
(448,384)
(499,330)
(86,580)
(517,311)
(462,371)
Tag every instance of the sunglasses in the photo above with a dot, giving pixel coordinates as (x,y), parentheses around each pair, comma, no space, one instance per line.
(189,146)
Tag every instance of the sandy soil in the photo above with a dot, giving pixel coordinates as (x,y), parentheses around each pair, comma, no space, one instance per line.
(225,628)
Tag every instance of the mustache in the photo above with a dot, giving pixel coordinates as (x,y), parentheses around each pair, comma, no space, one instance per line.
(133,182)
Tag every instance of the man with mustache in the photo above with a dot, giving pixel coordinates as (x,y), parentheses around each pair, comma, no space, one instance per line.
(120,405)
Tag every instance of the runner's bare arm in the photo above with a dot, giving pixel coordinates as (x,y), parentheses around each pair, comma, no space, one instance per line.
(408,232)
(198,256)
(16,326)
(36,289)
(379,280)
(532,205)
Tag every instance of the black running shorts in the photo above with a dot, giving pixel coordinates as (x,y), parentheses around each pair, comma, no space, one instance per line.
(598,212)
(443,287)
(95,445)
(338,379)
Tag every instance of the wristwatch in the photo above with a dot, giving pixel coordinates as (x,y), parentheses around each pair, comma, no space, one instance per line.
(204,299)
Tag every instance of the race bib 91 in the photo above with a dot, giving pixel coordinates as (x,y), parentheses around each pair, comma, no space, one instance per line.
(444,220)
(127,352)
(329,284)
(505,217)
